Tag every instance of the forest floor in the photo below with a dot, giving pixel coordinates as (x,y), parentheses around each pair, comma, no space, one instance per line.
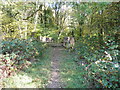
(35,76)
(65,73)
(57,69)
(55,81)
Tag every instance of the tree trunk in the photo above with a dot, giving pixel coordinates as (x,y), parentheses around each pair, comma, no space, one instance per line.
(100,36)
(25,23)
(80,32)
(24,35)
(36,16)
(1,37)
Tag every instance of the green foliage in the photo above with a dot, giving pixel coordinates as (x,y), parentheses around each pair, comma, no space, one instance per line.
(35,76)
(72,74)
(95,27)
(102,64)
(18,54)
(27,47)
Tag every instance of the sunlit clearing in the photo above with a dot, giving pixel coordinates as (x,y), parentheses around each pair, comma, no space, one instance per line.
(23,81)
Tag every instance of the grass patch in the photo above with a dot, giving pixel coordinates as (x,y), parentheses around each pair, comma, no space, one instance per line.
(35,76)
(72,75)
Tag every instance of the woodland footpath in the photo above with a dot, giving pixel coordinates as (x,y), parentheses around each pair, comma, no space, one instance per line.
(59,44)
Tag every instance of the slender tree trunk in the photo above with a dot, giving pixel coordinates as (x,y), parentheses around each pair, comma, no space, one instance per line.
(100,36)
(1,37)
(80,32)
(1,33)
(25,23)
(36,16)
(20,30)
(26,29)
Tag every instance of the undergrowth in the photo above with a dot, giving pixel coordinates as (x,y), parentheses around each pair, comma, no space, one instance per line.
(35,76)
(72,75)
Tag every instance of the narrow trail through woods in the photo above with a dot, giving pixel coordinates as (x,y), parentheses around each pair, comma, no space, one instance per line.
(54,81)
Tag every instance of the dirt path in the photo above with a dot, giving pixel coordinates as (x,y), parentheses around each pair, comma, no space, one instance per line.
(55,81)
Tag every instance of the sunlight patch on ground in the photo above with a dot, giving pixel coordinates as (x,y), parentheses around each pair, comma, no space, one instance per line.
(19,81)
(23,81)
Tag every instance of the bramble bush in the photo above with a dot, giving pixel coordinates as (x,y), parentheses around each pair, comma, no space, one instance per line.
(18,54)
(101,63)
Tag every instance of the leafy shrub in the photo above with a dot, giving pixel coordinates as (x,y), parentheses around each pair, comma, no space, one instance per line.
(7,65)
(101,63)
(18,54)
(28,47)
